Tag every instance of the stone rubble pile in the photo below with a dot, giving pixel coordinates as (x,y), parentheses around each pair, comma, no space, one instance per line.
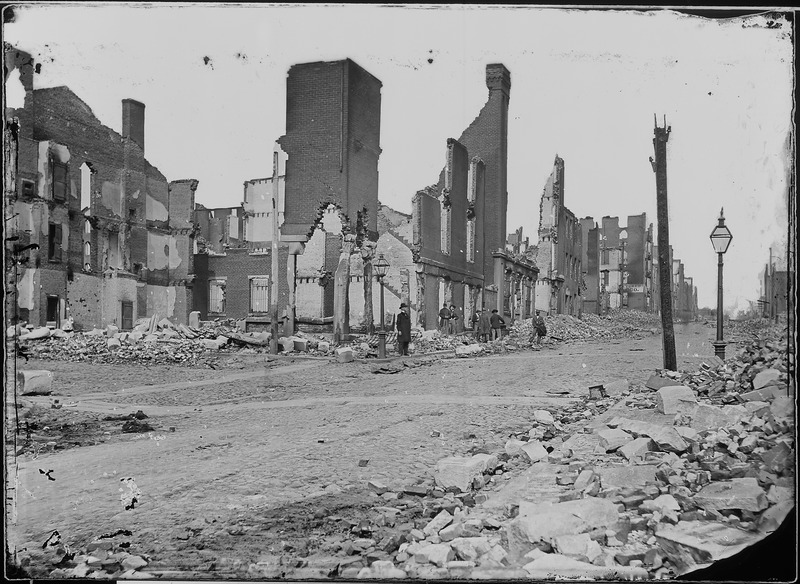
(740,331)
(758,370)
(636,500)
(108,557)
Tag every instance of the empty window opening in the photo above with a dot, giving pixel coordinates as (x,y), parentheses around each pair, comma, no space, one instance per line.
(59,181)
(86,188)
(52,311)
(259,294)
(126,309)
(28,188)
(216,296)
(54,235)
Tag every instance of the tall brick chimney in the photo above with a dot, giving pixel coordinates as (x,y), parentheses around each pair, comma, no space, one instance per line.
(498,77)
(133,121)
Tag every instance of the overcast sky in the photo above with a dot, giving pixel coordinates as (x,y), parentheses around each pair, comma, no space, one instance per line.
(584,85)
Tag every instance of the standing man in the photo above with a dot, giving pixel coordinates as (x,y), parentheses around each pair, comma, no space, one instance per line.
(403,328)
(485,326)
(497,324)
(475,320)
(455,319)
(444,320)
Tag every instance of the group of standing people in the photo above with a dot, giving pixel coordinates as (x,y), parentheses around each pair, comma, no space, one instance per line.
(487,326)
(451,319)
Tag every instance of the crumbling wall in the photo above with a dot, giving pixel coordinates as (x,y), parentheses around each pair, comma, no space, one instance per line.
(85,302)
(116,288)
(258,209)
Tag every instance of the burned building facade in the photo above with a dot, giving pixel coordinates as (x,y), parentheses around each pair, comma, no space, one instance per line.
(459,235)
(114,237)
(559,252)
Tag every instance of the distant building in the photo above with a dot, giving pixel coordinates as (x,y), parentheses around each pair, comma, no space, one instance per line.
(115,237)
(559,252)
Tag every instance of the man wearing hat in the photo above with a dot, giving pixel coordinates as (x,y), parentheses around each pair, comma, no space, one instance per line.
(403,328)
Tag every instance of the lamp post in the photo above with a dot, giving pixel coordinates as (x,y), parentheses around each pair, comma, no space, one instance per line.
(720,239)
(381,267)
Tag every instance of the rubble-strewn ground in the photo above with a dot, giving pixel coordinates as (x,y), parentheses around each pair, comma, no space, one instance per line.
(308,468)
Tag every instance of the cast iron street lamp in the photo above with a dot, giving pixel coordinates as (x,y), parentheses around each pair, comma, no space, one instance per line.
(720,239)
(381,267)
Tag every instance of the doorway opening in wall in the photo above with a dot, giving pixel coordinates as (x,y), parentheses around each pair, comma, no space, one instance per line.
(52,312)
(127,315)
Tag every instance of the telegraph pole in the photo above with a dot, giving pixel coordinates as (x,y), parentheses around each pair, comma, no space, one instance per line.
(273,309)
(664,265)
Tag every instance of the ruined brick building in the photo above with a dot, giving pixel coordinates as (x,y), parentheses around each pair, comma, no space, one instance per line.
(559,251)
(459,224)
(451,248)
(115,237)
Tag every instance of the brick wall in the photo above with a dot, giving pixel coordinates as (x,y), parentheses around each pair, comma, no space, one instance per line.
(236,265)
(332,142)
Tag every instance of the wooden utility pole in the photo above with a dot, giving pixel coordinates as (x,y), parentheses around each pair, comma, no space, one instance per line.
(273,309)
(664,264)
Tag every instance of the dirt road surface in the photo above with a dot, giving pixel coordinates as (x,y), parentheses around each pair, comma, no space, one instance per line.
(264,452)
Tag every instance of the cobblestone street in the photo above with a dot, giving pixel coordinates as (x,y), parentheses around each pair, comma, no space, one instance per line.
(237,444)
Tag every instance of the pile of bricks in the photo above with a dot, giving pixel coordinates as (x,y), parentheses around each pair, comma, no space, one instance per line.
(108,557)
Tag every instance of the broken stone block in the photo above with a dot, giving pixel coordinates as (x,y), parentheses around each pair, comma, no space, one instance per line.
(436,553)
(667,439)
(377,487)
(534,450)
(688,433)
(111,330)
(34,380)
(41,332)
(664,504)
(778,494)
(113,344)
(627,476)
(778,458)
(345,355)
(782,407)
(765,378)
(300,344)
(613,438)
(668,398)
(741,493)
(542,521)
(765,394)
(584,479)
(772,518)
(458,471)
(384,569)
(470,548)
(323,346)
(691,545)
(451,532)
(636,448)
(574,546)
(133,563)
(708,417)
(437,523)
(194,319)
(514,447)
(543,417)
(657,382)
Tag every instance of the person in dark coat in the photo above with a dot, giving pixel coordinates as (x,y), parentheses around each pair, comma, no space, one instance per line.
(475,320)
(497,325)
(444,320)
(485,326)
(403,328)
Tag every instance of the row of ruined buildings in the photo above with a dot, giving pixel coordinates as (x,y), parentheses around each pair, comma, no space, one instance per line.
(99,235)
